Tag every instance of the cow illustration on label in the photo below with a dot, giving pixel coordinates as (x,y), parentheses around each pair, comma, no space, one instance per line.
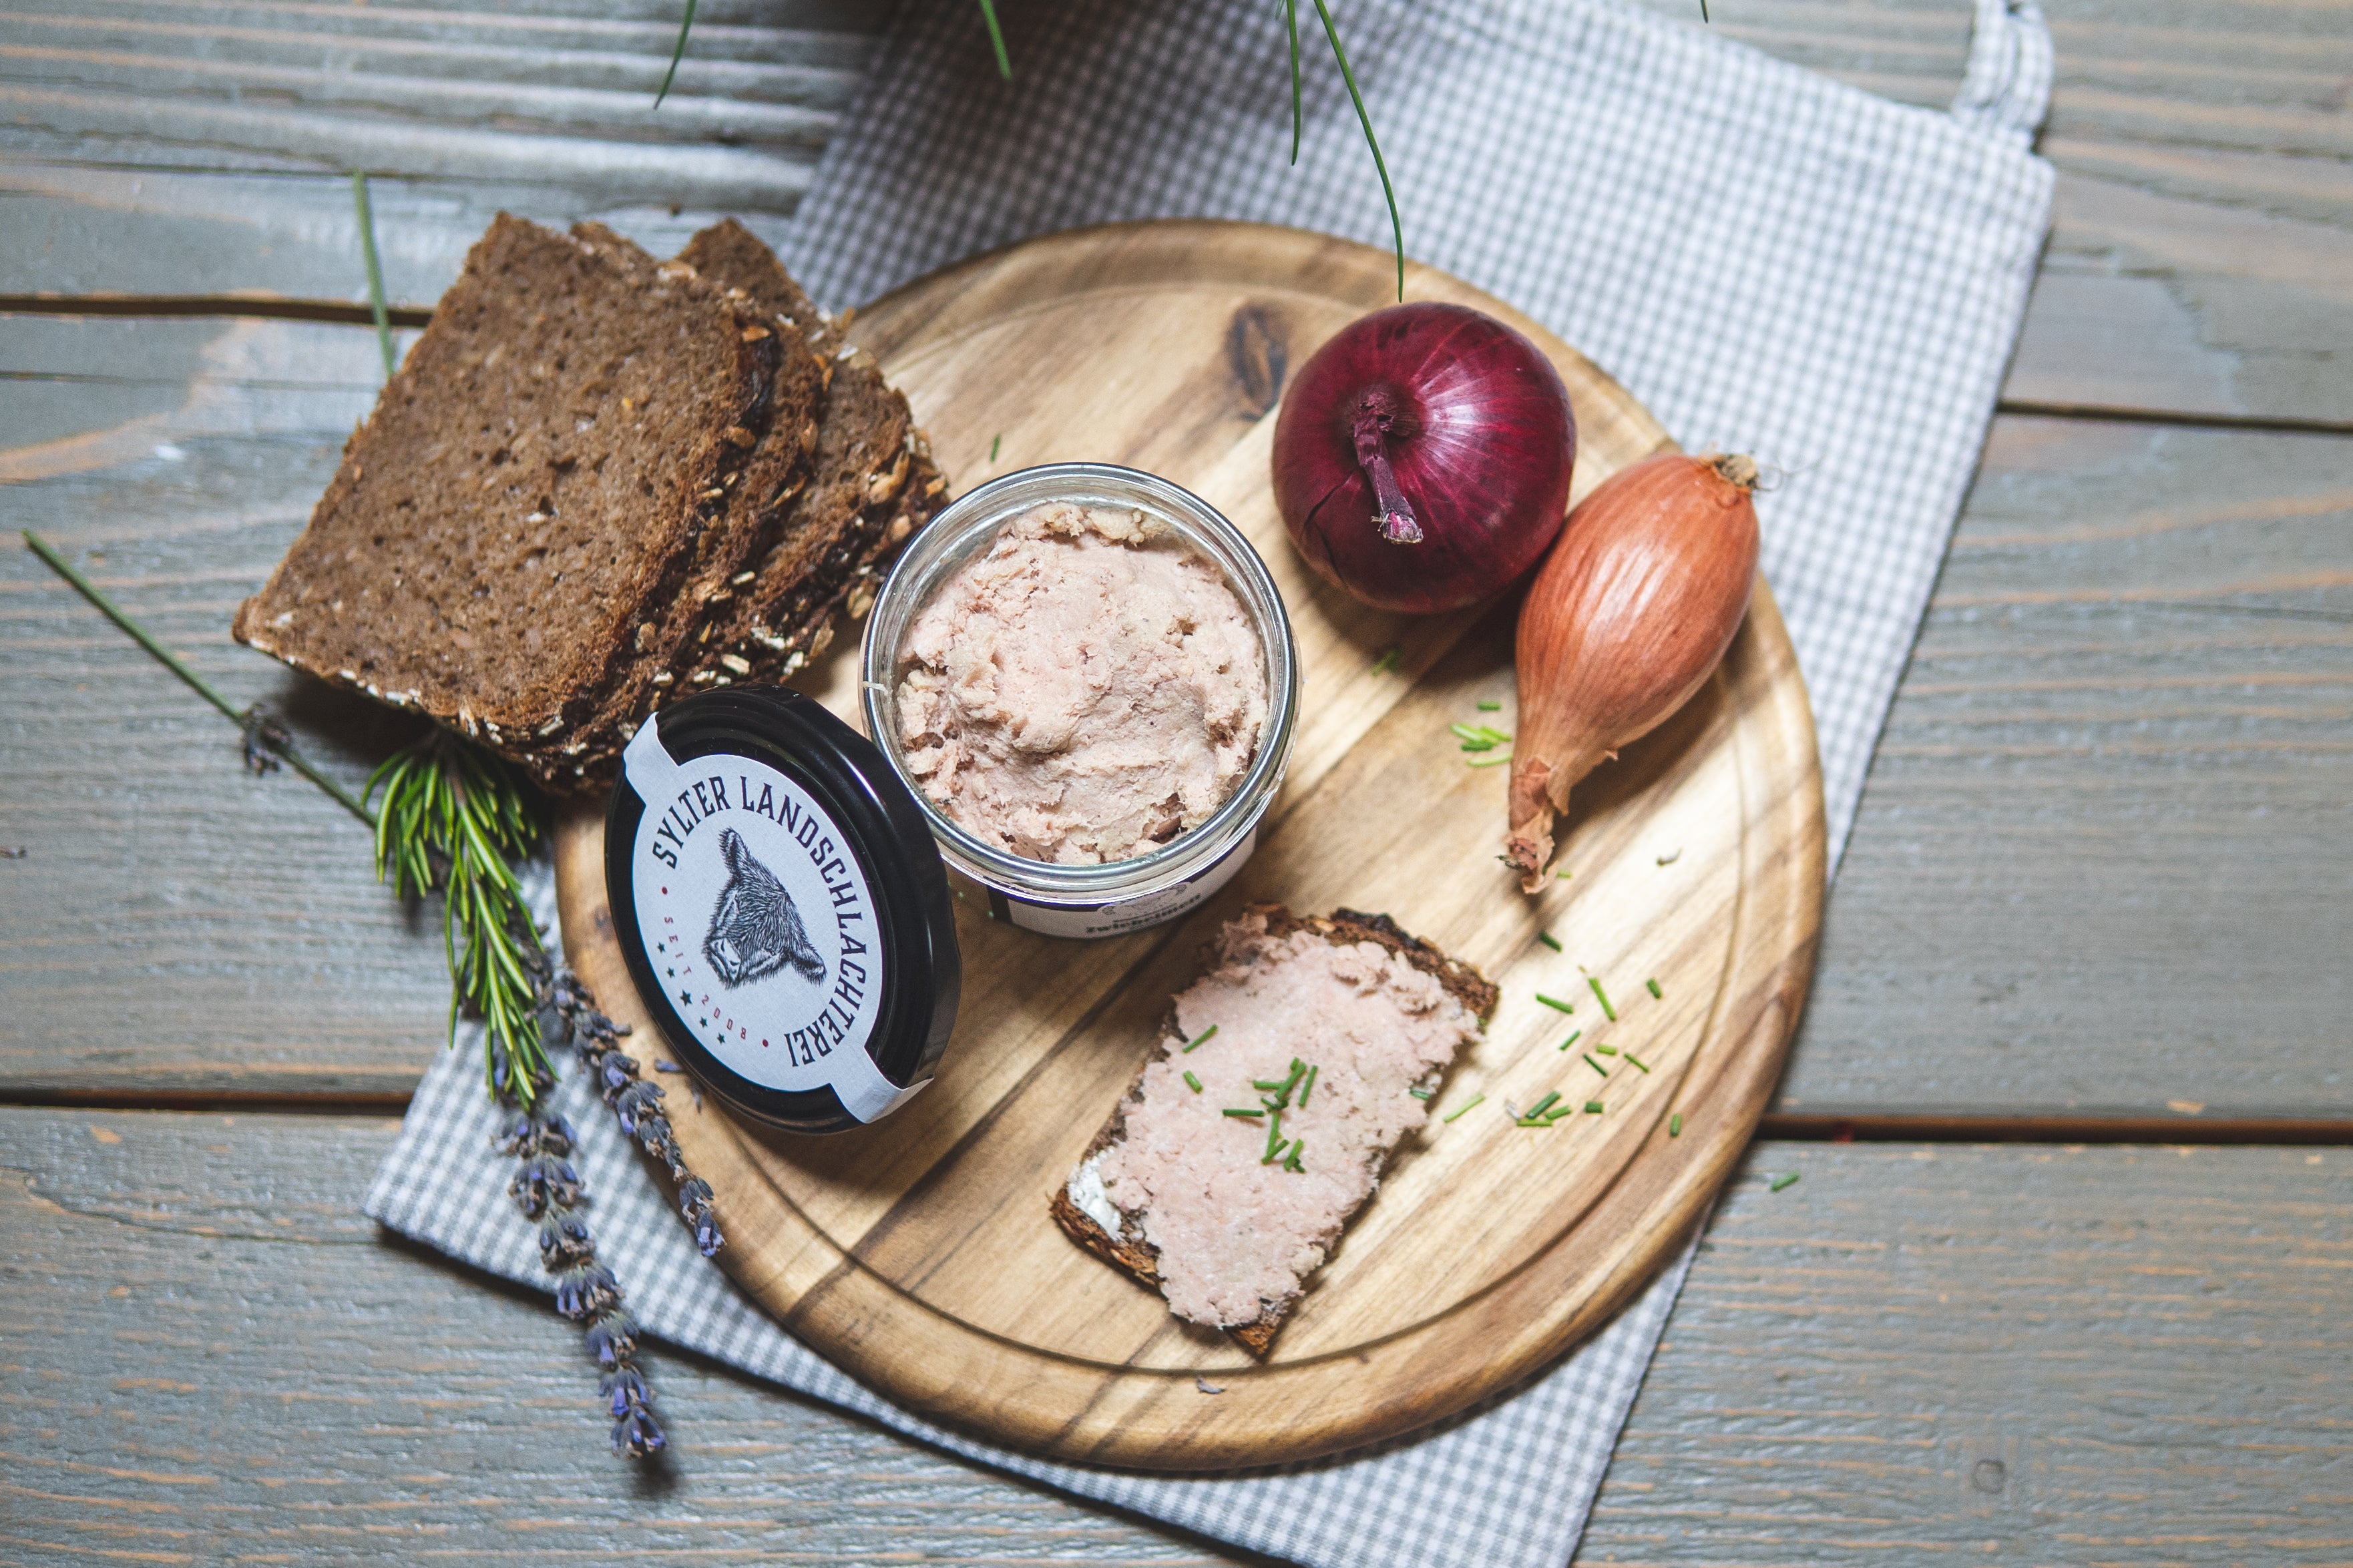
(755,930)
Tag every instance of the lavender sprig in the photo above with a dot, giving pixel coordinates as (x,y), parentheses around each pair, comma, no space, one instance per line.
(547,1188)
(570,1014)
(548,1191)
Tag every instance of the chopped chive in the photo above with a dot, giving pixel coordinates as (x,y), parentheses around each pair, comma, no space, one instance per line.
(1636,1060)
(1198,1038)
(1676,1125)
(994,442)
(1274,1139)
(1572,1039)
(1459,1109)
(1279,1089)
(1274,1153)
(1488,733)
(1780,1182)
(1596,1067)
(1560,876)
(1480,745)
(1607,1050)
(1485,761)
(1292,1162)
(1387,660)
(1593,1107)
(1539,1107)
(1419,1093)
(1252,1112)
(1654,987)
(1549,940)
(1491,707)
(1465,732)
(1192,1083)
(1607,1010)
(1555,1003)
(1309,1083)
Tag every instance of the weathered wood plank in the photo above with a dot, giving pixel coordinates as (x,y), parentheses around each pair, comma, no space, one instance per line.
(2102,858)
(209,1355)
(2106,839)
(2107,1354)
(440,92)
(177,923)
(2200,261)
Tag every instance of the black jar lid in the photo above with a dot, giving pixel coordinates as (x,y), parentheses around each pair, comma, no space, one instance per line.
(783,908)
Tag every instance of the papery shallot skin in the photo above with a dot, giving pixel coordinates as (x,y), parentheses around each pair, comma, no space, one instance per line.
(1627,618)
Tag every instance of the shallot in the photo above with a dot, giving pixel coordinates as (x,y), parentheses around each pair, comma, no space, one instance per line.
(1626,619)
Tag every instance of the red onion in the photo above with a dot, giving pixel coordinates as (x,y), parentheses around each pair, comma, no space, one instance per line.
(1422,456)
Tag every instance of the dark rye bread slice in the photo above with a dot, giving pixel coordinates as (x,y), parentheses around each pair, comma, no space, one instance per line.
(776,469)
(1129,1251)
(530,480)
(872,484)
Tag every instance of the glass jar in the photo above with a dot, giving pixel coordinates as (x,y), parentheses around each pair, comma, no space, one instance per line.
(1116,897)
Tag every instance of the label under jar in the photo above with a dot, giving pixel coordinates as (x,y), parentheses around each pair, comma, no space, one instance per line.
(1125,915)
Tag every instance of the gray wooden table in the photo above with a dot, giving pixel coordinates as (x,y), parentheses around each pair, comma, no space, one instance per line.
(2068,1275)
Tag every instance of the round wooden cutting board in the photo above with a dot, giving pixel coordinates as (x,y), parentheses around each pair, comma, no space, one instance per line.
(917,1254)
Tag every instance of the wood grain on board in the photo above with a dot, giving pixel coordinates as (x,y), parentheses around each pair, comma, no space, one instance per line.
(2008,1355)
(2103,840)
(918,1254)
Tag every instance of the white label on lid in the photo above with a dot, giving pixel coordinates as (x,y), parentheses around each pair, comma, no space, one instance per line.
(759,923)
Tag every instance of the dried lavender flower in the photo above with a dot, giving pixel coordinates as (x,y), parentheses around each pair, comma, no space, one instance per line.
(570,1014)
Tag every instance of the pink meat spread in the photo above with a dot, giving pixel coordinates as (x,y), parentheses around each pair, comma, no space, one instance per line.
(1237,1236)
(1084,690)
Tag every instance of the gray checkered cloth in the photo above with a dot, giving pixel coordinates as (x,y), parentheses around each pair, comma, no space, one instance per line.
(1772,262)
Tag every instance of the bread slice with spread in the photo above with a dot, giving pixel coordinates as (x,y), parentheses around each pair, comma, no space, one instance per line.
(1286,1076)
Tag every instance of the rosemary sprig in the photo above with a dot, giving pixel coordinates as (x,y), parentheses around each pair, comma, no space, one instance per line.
(452,815)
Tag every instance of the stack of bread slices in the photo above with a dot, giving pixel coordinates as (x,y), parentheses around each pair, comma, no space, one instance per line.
(600,480)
